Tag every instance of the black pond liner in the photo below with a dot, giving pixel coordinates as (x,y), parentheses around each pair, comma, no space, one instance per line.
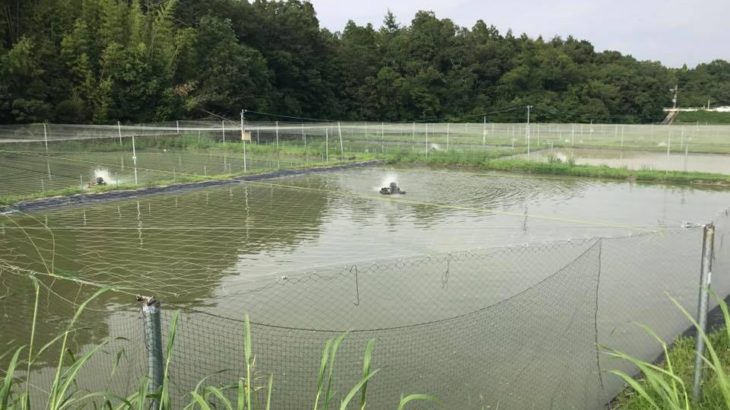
(91,198)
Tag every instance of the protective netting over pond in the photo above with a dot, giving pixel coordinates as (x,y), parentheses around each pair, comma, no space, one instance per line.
(40,158)
(512,327)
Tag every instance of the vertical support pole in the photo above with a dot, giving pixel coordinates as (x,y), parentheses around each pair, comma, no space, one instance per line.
(177,126)
(484,131)
(304,138)
(278,164)
(134,159)
(382,137)
(622,140)
(447,136)
(243,139)
(413,136)
(276,130)
(45,136)
(529,107)
(681,137)
(708,242)
(153,343)
(342,150)
(223,128)
(327,144)
(572,135)
(119,131)
(590,132)
(426,139)
(669,144)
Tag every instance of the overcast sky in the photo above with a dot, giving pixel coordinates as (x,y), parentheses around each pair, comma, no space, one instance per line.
(674,32)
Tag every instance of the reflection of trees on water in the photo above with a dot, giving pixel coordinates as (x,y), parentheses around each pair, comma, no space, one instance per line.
(175,247)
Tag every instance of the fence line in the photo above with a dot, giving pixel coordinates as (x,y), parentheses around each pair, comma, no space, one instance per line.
(516,326)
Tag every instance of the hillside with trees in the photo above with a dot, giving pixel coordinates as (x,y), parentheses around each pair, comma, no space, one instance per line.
(82,61)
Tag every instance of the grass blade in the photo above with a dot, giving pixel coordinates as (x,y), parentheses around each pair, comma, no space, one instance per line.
(367,359)
(414,397)
(6,391)
(355,389)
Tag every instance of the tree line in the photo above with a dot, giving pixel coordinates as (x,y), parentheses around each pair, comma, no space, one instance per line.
(101,61)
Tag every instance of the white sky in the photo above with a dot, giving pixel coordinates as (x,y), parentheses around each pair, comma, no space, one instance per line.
(674,32)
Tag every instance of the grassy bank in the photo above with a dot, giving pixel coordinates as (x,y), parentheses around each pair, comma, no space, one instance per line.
(669,385)
(681,357)
(704,117)
(495,161)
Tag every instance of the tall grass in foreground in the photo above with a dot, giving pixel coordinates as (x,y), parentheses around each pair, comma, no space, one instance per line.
(669,386)
(248,393)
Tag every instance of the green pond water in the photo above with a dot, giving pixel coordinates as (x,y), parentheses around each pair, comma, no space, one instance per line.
(219,251)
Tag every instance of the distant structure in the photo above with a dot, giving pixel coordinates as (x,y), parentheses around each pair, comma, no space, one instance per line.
(674,111)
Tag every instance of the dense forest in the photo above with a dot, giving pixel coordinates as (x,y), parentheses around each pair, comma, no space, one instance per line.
(76,61)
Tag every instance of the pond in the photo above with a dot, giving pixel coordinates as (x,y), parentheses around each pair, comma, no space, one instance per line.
(219,251)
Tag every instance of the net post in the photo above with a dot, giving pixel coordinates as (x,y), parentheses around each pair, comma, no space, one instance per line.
(243,138)
(278,163)
(342,149)
(45,135)
(708,241)
(153,343)
(447,135)
(134,160)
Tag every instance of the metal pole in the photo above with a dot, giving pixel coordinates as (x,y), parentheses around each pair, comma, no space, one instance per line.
(342,151)
(572,135)
(153,344)
(708,242)
(304,138)
(277,136)
(529,107)
(134,159)
(426,140)
(447,136)
(484,131)
(278,164)
(327,144)
(669,144)
(177,125)
(45,136)
(243,133)
(223,128)
(119,131)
